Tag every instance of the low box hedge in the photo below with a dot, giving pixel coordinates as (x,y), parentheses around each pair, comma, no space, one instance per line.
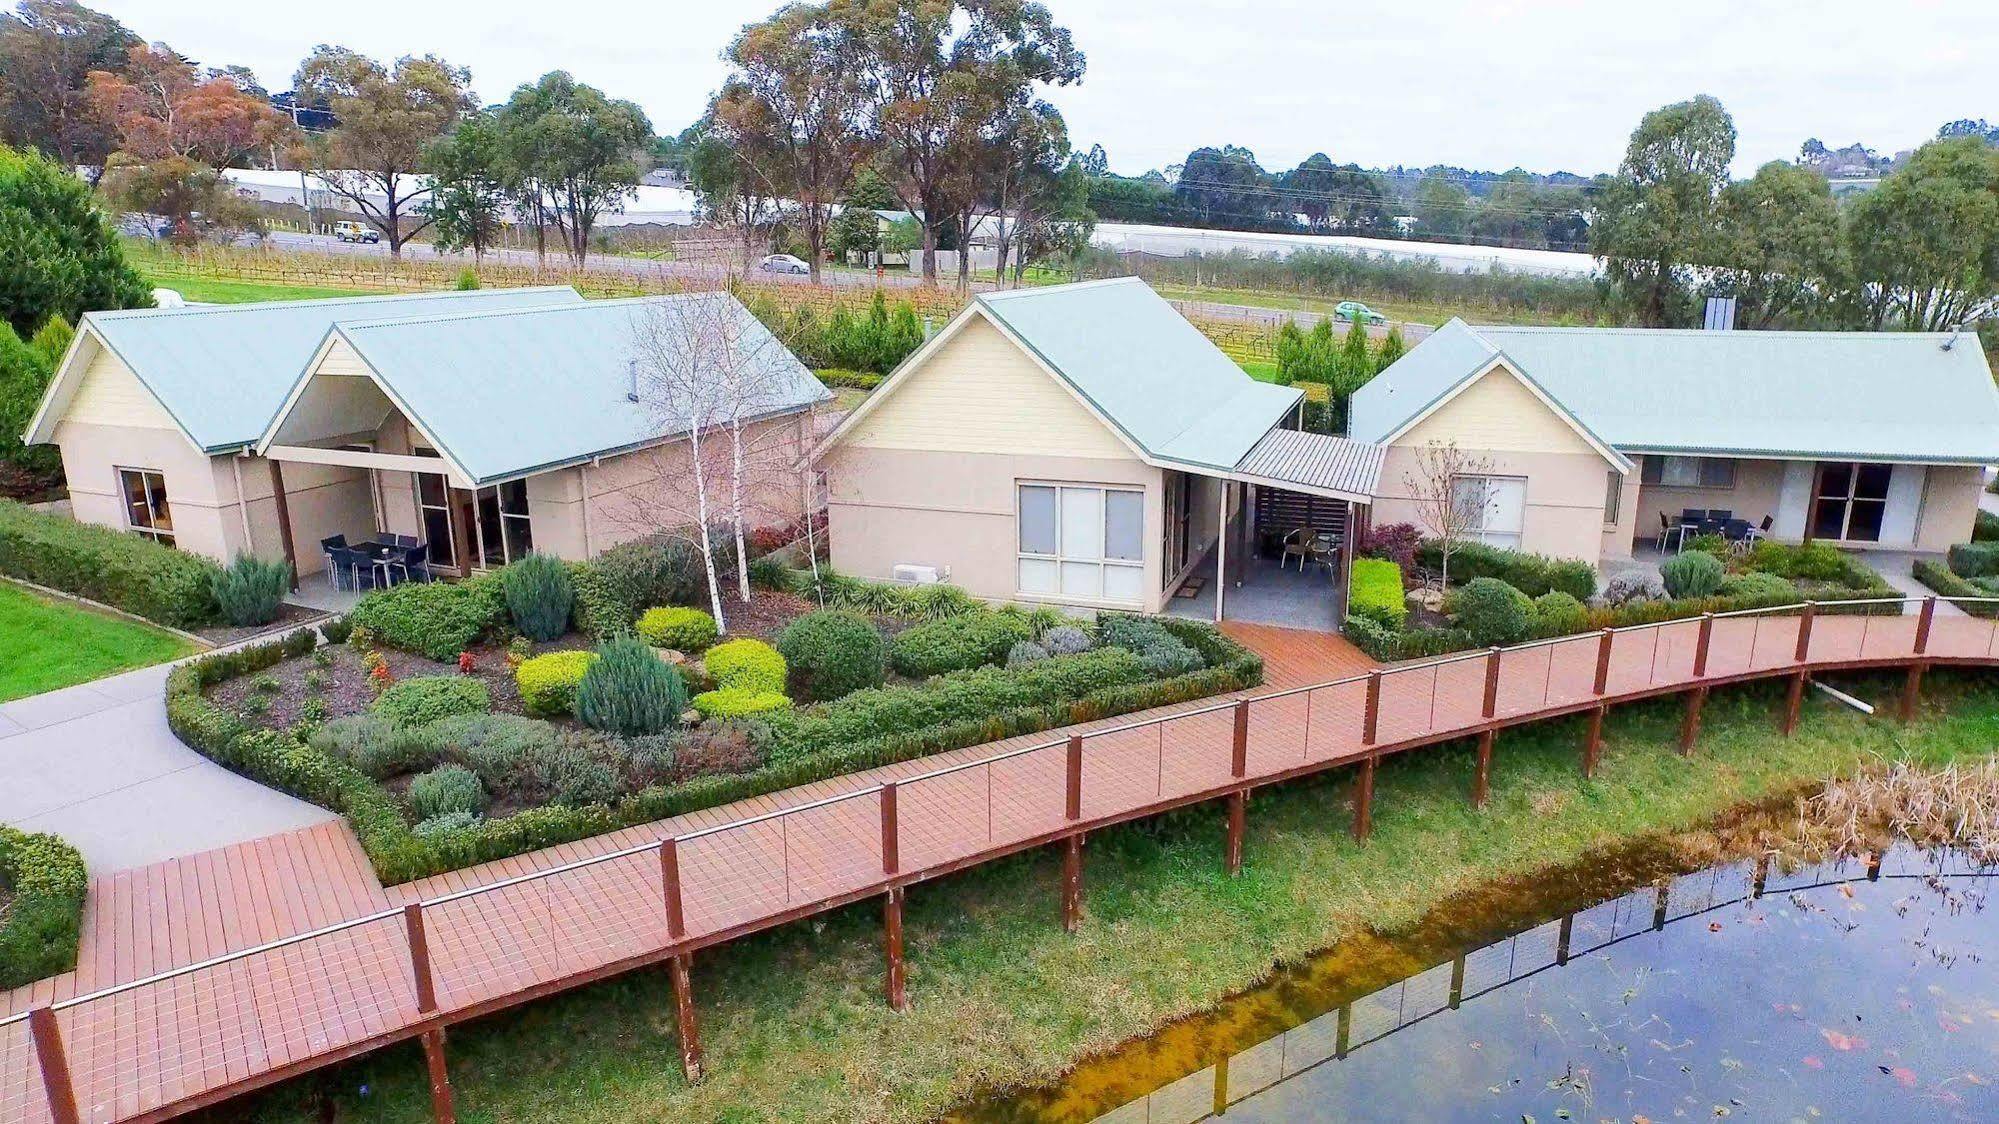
(1531,574)
(435,619)
(1974,559)
(125,571)
(1376,592)
(400,854)
(1947,584)
(38,934)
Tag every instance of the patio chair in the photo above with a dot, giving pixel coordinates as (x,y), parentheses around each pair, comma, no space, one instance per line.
(1758,533)
(1297,544)
(326,547)
(1719,515)
(1692,516)
(412,559)
(1736,531)
(403,540)
(356,562)
(1665,532)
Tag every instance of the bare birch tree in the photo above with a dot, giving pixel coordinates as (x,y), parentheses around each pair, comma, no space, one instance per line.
(1450,498)
(704,365)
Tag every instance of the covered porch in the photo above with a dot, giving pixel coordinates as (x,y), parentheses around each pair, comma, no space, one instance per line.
(1852,504)
(1271,542)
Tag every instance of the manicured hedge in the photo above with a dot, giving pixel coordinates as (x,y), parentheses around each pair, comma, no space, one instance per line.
(1531,574)
(1947,584)
(548,683)
(1974,559)
(1985,528)
(434,619)
(1376,592)
(122,570)
(39,933)
(400,854)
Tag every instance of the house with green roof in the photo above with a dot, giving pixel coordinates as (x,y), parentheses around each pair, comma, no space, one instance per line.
(1589,442)
(482,424)
(1085,446)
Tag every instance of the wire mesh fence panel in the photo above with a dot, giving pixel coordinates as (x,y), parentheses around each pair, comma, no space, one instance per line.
(836,848)
(165,1041)
(1730,644)
(1889,637)
(1277,732)
(945,817)
(1489,967)
(1732,883)
(1837,637)
(1776,640)
(607,912)
(22,1097)
(1460,697)
(732,876)
(1256,1069)
(1536,948)
(1125,769)
(1199,752)
(1593,928)
(1375,1016)
(1690,894)
(1404,711)
(1312,1042)
(1428,991)
(1571,671)
(1189,1099)
(1632,654)
(1673,659)
(1959,637)
(1030,793)
(1523,681)
(1337,714)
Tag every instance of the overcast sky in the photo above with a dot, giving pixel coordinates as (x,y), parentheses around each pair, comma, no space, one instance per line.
(1542,84)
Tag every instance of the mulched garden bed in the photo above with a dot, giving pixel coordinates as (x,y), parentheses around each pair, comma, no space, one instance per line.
(290,616)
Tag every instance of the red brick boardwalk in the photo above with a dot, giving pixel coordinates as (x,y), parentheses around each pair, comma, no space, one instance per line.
(343,980)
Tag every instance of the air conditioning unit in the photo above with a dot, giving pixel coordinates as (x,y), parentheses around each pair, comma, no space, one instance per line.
(920,575)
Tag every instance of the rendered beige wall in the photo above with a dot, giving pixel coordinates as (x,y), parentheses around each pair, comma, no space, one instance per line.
(1499,420)
(1950,506)
(958,510)
(1757,492)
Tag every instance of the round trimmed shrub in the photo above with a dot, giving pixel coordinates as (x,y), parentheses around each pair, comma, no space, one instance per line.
(539,595)
(1559,614)
(1024,653)
(629,690)
(1065,640)
(1492,611)
(831,653)
(447,788)
(955,643)
(677,627)
(738,702)
(1757,585)
(751,665)
(1694,573)
(428,698)
(548,683)
(573,776)
(444,823)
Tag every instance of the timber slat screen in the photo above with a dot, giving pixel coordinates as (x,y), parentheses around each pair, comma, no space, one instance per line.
(165,1044)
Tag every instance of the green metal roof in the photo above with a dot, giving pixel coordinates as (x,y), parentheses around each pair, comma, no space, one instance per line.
(222,371)
(1899,396)
(509,392)
(1152,374)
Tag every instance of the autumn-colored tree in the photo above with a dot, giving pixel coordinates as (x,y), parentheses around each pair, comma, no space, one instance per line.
(388,120)
(48,48)
(159,106)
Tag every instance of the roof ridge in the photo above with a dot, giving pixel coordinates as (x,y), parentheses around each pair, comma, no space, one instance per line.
(483,313)
(314,302)
(1072,286)
(1746,333)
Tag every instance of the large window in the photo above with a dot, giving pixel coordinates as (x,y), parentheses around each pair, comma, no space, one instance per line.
(433,505)
(146,510)
(504,532)
(1086,543)
(1688,472)
(1613,490)
(1491,509)
(1851,501)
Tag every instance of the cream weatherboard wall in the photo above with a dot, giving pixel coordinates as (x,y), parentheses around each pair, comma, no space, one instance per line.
(1497,418)
(929,475)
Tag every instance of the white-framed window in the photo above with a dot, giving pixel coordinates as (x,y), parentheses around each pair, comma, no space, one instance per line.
(1082,541)
(146,510)
(1613,491)
(505,532)
(1492,509)
(1688,472)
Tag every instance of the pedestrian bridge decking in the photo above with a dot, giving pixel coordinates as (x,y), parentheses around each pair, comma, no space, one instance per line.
(281,961)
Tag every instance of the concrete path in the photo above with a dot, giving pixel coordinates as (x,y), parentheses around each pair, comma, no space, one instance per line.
(97,765)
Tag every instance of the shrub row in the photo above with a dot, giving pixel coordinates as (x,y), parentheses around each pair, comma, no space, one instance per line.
(1531,574)
(435,619)
(956,643)
(1375,592)
(122,570)
(399,853)
(1974,559)
(38,934)
(1947,584)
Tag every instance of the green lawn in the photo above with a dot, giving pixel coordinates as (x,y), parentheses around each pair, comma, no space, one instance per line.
(47,644)
(795,1029)
(210,290)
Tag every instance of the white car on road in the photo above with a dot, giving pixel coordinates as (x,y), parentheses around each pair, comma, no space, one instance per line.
(783,263)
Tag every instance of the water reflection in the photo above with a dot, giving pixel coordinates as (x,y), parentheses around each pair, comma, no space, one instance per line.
(1833,992)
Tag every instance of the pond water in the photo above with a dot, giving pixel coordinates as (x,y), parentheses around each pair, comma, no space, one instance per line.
(1737,992)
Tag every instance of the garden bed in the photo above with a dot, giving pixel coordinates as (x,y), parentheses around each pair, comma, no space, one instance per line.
(1501,597)
(514,745)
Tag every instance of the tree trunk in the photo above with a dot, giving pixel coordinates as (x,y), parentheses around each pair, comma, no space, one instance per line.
(707,540)
(815,241)
(736,508)
(929,250)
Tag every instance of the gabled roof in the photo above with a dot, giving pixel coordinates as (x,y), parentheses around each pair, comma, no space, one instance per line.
(1142,367)
(509,392)
(1891,396)
(222,371)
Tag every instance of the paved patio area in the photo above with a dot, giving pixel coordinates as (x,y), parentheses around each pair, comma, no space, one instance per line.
(97,765)
(1284,597)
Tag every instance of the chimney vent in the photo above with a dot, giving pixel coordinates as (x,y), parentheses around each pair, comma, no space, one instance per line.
(632,387)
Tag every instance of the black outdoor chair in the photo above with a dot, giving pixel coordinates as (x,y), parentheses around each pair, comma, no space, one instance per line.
(1720,514)
(413,559)
(357,563)
(326,547)
(1692,516)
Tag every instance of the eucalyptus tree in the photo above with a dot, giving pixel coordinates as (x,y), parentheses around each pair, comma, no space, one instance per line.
(1925,244)
(1654,219)
(574,152)
(1777,246)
